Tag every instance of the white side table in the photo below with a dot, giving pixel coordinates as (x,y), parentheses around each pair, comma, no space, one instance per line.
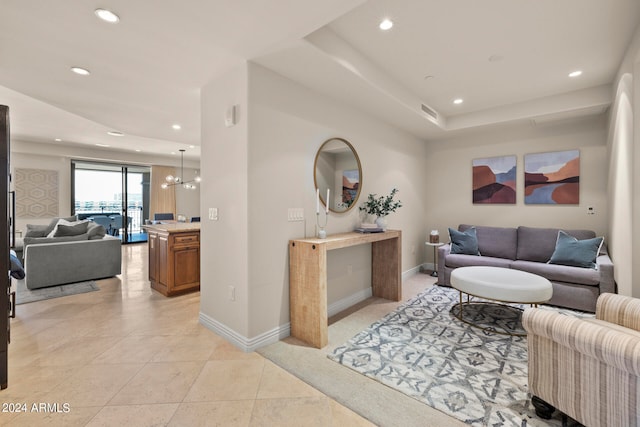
(435,256)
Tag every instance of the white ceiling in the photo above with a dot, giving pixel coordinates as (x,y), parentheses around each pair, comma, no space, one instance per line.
(146,71)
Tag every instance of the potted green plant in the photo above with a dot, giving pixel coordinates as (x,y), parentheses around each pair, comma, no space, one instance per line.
(381,206)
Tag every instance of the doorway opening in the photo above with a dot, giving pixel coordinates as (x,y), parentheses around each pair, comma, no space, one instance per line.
(113,195)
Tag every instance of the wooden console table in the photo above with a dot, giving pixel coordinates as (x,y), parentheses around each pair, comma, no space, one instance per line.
(308,278)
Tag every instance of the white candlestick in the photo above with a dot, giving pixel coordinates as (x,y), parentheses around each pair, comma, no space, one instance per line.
(327,210)
(317,200)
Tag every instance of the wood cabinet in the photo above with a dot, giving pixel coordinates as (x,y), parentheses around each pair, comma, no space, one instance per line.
(174,258)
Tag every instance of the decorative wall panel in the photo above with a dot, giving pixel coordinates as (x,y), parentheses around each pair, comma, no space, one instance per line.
(36,193)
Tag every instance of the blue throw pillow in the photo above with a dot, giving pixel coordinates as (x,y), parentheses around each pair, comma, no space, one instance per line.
(464,242)
(17,271)
(574,252)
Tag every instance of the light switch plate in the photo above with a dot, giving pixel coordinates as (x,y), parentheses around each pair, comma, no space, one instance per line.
(213,214)
(295,214)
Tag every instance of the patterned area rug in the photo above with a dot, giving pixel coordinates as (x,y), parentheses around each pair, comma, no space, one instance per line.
(25,295)
(424,351)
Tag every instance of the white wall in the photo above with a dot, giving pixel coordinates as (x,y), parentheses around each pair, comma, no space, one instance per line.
(224,243)
(624,174)
(287,123)
(449,165)
(33,155)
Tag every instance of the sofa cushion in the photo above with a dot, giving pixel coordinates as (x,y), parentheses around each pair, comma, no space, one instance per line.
(460,260)
(496,242)
(464,242)
(73,229)
(578,253)
(560,273)
(538,244)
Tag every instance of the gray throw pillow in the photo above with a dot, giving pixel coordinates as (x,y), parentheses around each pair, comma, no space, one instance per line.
(38,240)
(577,253)
(71,230)
(37,230)
(51,226)
(464,242)
(54,222)
(95,231)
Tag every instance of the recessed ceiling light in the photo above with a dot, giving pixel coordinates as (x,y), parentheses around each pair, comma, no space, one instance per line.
(107,16)
(192,146)
(458,101)
(176,127)
(115,133)
(138,150)
(575,73)
(57,140)
(173,152)
(103,145)
(81,71)
(386,24)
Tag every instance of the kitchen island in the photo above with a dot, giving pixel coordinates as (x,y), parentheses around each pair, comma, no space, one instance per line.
(174,257)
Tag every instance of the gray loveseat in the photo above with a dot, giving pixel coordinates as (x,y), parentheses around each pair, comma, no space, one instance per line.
(529,249)
(51,261)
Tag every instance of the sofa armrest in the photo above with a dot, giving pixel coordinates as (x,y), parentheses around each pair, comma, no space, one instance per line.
(609,346)
(605,267)
(443,252)
(619,309)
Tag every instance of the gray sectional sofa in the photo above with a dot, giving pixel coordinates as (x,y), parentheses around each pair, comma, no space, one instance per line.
(529,249)
(51,261)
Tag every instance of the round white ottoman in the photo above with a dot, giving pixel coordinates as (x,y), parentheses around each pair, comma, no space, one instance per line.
(500,284)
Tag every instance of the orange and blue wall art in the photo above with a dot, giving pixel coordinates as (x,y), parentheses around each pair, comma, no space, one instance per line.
(552,178)
(494,180)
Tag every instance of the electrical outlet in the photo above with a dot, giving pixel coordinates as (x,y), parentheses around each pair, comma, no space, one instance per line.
(591,210)
(232,293)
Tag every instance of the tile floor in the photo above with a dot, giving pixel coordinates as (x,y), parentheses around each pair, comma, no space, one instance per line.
(128,356)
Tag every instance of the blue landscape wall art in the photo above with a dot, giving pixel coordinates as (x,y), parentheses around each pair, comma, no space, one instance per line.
(552,178)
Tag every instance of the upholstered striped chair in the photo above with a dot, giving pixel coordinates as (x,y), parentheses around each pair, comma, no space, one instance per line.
(587,368)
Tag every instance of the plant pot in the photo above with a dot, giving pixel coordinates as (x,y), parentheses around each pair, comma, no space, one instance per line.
(381,222)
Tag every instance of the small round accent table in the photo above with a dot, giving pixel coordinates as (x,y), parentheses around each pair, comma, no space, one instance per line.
(500,284)
(435,246)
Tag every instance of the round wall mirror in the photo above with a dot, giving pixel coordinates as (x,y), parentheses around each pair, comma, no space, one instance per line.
(337,168)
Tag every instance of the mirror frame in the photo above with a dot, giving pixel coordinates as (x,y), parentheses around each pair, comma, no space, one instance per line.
(315,168)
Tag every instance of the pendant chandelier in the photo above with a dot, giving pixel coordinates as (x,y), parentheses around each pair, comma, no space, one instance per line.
(179,180)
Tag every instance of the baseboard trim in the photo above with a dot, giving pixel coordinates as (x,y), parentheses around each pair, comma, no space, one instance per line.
(243,343)
(276,334)
(349,301)
(413,271)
